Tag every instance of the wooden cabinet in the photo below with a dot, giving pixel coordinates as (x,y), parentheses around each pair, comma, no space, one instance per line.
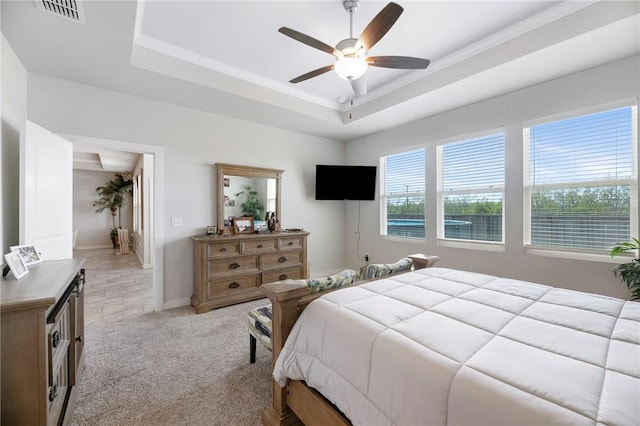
(42,318)
(230,269)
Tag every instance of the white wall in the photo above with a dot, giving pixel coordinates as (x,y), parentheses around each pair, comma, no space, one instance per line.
(193,141)
(14,115)
(94,228)
(613,82)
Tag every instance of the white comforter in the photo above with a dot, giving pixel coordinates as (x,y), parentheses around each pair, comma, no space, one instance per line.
(445,347)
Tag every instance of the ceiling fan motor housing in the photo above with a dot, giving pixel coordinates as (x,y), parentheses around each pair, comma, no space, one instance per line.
(349,46)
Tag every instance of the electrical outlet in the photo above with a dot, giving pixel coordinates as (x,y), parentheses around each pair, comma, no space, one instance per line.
(176,221)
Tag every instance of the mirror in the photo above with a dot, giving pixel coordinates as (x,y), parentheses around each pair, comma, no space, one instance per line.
(245,191)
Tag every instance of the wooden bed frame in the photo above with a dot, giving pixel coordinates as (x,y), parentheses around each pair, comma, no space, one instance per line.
(297,403)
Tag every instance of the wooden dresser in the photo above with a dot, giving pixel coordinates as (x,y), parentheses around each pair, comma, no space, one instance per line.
(230,269)
(42,318)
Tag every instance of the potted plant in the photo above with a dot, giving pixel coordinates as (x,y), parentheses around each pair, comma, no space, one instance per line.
(629,272)
(112,197)
(252,207)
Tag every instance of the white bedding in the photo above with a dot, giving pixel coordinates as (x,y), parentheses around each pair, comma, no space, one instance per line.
(444,347)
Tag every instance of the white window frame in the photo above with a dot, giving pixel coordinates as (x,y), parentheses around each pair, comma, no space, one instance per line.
(384,196)
(577,253)
(440,230)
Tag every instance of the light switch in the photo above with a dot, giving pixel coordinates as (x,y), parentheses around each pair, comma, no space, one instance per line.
(176,221)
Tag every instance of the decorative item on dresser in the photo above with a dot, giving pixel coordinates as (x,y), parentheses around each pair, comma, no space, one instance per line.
(230,269)
(42,343)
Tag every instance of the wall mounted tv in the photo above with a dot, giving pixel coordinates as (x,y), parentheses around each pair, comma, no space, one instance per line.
(335,182)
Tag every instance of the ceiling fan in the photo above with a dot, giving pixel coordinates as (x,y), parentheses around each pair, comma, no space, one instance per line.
(351,53)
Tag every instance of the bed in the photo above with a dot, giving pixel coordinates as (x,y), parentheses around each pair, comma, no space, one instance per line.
(439,346)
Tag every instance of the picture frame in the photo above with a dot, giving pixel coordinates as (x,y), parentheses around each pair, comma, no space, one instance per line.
(243,225)
(16,264)
(27,253)
(226,182)
(212,230)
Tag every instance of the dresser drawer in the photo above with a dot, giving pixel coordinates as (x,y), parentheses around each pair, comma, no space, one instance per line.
(235,265)
(57,394)
(282,274)
(281,260)
(259,246)
(225,249)
(232,285)
(291,243)
(58,335)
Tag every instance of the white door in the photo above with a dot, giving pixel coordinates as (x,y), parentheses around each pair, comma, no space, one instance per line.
(47,208)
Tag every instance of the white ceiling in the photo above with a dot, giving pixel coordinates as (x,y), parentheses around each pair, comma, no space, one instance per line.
(227,57)
(103,160)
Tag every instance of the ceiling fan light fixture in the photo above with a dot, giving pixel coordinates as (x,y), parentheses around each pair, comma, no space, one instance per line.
(350,67)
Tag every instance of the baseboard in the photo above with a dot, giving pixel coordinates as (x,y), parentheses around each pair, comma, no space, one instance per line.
(176,303)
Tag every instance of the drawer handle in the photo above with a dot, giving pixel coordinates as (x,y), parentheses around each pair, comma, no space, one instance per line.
(282,259)
(290,243)
(259,245)
(55,339)
(223,249)
(79,338)
(283,277)
(234,284)
(53,392)
(234,265)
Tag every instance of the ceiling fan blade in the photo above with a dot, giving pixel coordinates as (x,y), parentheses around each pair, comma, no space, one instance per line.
(399,62)
(309,41)
(359,86)
(311,74)
(380,24)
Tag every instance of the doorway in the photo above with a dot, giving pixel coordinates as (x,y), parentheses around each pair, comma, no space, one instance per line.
(155,201)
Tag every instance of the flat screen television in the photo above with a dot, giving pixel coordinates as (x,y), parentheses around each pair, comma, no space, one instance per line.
(335,182)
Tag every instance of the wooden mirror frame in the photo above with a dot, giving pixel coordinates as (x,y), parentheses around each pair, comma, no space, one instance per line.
(225,170)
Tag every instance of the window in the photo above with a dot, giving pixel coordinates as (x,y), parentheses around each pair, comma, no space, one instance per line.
(471,189)
(581,181)
(402,184)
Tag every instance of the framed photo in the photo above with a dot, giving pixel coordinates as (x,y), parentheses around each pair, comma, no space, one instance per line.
(242,225)
(212,230)
(226,181)
(27,253)
(18,268)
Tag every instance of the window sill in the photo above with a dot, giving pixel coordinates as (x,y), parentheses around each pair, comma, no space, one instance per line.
(471,245)
(578,255)
(403,239)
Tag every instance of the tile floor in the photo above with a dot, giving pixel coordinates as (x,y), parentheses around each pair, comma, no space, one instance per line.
(116,285)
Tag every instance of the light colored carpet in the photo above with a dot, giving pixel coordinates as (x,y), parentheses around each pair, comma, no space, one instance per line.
(174,368)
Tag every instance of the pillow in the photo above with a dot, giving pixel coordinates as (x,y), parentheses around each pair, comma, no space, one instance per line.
(375,270)
(332,281)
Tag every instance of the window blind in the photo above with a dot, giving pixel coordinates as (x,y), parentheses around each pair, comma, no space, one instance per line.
(472,188)
(403,195)
(404,173)
(474,164)
(582,188)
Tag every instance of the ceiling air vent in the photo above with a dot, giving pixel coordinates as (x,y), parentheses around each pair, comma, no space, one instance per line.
(70,9)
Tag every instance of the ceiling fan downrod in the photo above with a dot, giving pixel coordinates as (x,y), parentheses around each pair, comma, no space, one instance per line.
(351,6)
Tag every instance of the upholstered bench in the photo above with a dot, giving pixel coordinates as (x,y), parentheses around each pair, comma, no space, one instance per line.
(260,317)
